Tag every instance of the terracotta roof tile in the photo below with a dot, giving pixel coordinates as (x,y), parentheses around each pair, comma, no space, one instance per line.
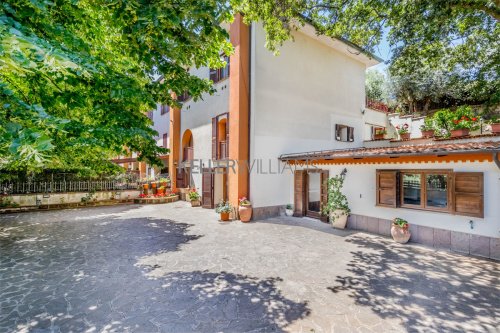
(424,149)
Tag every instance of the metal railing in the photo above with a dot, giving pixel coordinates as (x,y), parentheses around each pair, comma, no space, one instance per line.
(223,150)
(66,186)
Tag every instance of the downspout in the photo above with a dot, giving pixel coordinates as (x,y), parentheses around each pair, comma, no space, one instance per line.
(249,103)
(496,160)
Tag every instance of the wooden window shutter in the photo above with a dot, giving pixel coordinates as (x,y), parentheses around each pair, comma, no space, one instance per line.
(387,188)
(180,178)
(207,188)
(350,134)
(213,75)
(214,138)
(324,192)
(299,193)
(468,194)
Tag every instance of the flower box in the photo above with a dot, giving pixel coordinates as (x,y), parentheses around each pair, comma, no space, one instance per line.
(456,133)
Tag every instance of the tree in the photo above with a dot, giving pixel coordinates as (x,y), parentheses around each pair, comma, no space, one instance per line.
(76,77)
(458,39)
(376,86)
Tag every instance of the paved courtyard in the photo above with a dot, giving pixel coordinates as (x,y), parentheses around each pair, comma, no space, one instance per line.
(172,268)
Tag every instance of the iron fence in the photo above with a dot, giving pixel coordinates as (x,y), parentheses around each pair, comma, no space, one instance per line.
(66,186)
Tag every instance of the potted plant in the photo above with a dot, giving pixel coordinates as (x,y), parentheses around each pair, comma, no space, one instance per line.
(164,181)
(194,197)
(160,190)
(289,210)
(427,128)
(403,131)
(463,121)
(400,230)
(224,208)
(145,188)
(380,133)
(495,124)
(337,207)
(245,209)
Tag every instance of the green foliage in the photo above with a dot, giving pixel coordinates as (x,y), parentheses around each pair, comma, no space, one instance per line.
(6,202)
(376,86)
(446,120)
(429,124)
(400,222)
(76,77)
(336,199)
(224,207)
(193,195)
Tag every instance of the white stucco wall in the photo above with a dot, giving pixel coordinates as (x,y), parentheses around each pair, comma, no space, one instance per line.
(360,189)
(197,117)
(297,98)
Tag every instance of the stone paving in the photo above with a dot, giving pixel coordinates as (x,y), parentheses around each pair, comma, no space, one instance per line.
(172,268)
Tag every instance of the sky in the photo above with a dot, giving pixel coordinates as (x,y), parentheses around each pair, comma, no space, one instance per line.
(383,51)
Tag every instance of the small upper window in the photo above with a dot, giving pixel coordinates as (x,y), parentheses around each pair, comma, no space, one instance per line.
(165,109)
(220,74)
(344,133)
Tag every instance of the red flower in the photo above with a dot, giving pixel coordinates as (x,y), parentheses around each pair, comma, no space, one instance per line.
(455,121)
(474,119)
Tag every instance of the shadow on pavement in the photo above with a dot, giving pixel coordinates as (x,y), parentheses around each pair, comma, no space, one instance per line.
(429,291)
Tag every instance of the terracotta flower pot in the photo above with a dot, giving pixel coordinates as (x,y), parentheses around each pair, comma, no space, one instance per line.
(378,136)
(195,203)
(245,213)
(160,191)
(224,216)
(400,235)
(145,188)
(338,219)
(405,136)
(428,134)
(459,132)
(495,128)
(153,185)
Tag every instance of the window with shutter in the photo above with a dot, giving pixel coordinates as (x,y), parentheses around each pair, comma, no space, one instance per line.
(299,200)
(165,140)
(214,138)
(468,197)
(387,188)
(207,191)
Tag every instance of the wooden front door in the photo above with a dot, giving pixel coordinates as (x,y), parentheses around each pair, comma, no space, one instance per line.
(310,193)
(207,190)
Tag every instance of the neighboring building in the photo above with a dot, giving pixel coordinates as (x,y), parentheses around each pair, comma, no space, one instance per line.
(272,113)
(160,118)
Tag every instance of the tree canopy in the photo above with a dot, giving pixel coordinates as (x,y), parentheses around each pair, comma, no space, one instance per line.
(77,76)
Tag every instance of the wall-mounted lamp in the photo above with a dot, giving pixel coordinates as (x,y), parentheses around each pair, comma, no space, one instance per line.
(362,110)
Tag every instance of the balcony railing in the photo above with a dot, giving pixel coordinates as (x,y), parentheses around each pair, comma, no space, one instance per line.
(188,154)
(223,150)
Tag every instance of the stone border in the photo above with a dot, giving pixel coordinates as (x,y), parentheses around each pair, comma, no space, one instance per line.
(161,200)
(69,205)
(461,242)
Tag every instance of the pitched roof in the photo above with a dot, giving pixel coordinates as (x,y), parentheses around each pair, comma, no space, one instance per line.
(406,150)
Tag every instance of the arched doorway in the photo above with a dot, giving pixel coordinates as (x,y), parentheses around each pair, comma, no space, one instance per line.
(187,146)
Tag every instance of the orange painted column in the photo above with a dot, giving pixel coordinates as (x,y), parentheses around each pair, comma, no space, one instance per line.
(142,169)
(174,142)
(239,97)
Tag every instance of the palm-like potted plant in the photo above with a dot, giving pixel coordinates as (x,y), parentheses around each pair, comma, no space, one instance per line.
(224,208)
(428,128)
(403,131)
(245,209)
(337,207)
(400,230)
(194,197)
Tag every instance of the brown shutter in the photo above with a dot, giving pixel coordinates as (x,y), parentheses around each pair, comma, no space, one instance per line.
(468,197)
(227,135)
(299,195)
(207,189)
(214,138)
(213,75)
(180,177)
(350,134)
(324,193)
(387,188)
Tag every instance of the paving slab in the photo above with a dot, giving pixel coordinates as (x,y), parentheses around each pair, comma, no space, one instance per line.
(173,268)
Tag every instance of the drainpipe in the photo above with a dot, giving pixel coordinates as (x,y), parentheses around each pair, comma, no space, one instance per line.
(496,160)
